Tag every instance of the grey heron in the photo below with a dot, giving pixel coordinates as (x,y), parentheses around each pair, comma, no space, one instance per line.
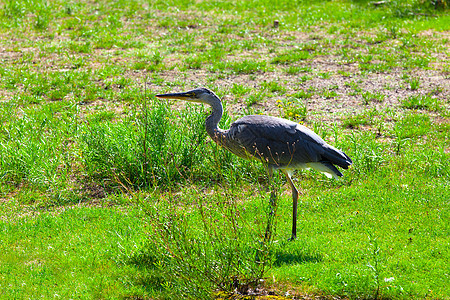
(278,143)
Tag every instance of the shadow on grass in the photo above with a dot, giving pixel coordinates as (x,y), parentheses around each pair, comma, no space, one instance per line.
(292,253)
(147,277)
(296,258)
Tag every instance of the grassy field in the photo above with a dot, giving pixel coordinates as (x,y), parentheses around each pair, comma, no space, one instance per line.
(106,192)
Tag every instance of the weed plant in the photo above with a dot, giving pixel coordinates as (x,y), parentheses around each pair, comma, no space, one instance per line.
(218,247)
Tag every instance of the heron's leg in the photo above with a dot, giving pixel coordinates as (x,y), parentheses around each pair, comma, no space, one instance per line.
(294,204)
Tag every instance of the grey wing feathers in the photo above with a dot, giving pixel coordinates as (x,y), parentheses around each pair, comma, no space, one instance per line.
(282,143)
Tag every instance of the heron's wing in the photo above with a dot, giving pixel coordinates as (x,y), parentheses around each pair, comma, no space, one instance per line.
(282,143)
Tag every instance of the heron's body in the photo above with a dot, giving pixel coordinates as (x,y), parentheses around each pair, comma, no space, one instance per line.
(283,144)
(279,143)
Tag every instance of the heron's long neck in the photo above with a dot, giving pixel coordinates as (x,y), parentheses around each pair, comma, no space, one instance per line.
(213,120)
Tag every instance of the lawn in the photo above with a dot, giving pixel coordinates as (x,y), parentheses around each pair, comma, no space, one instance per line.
(107,192)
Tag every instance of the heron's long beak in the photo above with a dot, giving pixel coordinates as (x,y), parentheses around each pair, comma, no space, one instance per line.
(187,96)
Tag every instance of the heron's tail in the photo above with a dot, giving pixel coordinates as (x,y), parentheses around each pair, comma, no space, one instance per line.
(330,158)
(336,157)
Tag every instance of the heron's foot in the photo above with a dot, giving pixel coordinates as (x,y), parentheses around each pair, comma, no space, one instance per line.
(292,238)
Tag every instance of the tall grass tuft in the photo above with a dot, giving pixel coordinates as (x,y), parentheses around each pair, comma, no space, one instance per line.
(33,152)
(145,149)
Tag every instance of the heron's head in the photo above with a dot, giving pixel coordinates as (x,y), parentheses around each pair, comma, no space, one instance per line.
(199,95)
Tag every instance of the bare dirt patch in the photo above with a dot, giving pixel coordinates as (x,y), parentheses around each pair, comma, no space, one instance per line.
(391,85)
(346,90)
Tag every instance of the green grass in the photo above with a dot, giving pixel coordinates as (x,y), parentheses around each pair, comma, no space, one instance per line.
(354,121)
(422,102)
(293,108)
(369,97)
(291,56)
(75,252)
(106,192)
